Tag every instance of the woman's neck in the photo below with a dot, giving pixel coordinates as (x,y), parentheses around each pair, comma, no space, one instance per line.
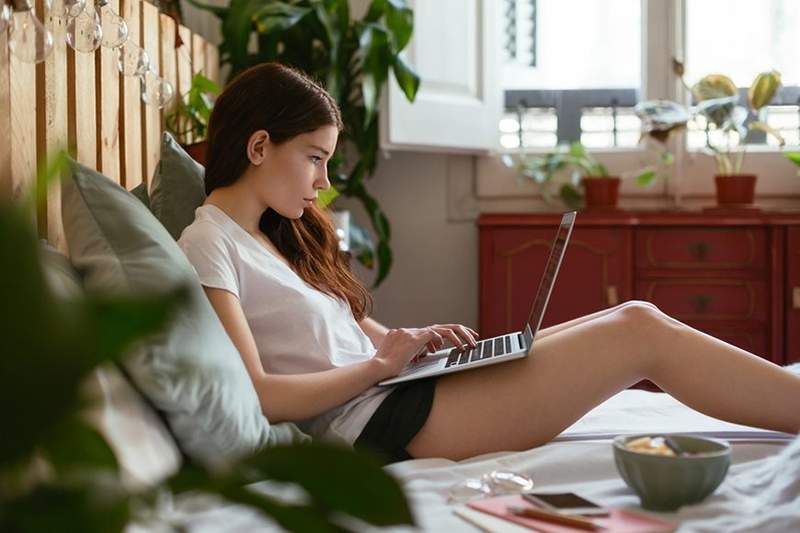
(240,206)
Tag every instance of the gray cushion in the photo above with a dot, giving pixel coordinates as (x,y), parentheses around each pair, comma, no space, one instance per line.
(61,276)
(192,372)
(140,192)
(178,187)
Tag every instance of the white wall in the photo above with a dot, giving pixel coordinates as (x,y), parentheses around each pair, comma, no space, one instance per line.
(434,278)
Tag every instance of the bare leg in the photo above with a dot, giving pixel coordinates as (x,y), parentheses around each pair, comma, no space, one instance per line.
(525,403)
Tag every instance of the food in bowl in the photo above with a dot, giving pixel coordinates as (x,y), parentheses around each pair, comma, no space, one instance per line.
(657,445)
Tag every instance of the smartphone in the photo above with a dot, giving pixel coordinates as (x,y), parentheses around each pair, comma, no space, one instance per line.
(567,503)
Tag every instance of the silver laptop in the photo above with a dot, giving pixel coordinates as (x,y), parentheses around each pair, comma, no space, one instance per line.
(505,347)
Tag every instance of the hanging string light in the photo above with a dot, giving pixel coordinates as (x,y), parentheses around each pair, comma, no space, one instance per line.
(89,24)
(28,39)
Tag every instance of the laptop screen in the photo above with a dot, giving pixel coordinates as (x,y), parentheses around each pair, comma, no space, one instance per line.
(548,278)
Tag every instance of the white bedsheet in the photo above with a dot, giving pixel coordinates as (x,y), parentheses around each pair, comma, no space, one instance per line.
(580,459)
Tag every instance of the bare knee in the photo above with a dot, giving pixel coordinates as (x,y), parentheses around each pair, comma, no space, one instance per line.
(636,303)
(644,327)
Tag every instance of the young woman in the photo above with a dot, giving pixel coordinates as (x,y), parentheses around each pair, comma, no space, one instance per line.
(269,261)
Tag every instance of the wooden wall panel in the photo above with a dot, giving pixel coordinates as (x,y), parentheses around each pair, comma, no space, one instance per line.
(169,67)
(5,119)
(82,107)
(152,116)
(23,126)
(198,55)
(52,129)
(184,56)
(131,115)
(212,63)
(79,101)
(108,105)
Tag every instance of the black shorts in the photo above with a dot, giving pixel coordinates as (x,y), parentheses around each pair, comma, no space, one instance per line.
(397,420)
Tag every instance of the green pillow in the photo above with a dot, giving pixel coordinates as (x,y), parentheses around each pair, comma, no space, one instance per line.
(192,372)
(178,187)
(140,192)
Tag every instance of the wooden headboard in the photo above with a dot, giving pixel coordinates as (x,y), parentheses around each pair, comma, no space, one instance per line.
(80,101)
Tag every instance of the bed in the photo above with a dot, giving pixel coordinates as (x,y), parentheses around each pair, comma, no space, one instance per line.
(580,459)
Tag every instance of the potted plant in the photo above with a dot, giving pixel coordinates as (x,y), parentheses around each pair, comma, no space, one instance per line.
(352,59)
(188,120)
(717,100)
(600,190)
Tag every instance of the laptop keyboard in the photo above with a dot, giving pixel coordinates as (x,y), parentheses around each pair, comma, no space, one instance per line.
(483,350)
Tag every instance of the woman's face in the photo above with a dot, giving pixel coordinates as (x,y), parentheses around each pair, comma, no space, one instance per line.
(287,176)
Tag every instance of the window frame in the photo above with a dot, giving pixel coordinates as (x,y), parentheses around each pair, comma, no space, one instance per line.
(663,38)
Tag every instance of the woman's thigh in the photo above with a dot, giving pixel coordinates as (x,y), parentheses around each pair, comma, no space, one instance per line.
(525,403)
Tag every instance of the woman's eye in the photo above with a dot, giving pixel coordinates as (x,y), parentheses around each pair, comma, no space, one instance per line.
(315,159)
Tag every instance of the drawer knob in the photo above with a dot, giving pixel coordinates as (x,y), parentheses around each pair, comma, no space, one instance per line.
(700,302)
(699,250)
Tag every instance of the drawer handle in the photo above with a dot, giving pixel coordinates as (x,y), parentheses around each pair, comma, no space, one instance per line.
(700,302)
(796,297)
(699,250)
(612,297)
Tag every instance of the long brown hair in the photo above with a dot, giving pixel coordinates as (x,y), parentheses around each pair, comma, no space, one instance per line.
(286,103)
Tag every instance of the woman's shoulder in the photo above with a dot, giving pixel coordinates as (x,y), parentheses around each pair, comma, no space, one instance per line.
(203,228)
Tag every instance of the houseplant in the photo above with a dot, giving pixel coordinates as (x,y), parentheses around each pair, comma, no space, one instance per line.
(187,121)
(600,190)
(351,58)
(716,99)
(584,170)
(58,473)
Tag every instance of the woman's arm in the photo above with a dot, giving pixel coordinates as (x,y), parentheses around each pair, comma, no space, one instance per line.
(300,396)
(374,330)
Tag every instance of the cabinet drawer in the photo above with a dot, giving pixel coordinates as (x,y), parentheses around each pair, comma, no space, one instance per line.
(701,248)
(707,299)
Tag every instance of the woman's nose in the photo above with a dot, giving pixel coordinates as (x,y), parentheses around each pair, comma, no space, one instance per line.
(322,180)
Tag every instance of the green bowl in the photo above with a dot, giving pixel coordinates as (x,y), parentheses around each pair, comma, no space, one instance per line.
(665,483)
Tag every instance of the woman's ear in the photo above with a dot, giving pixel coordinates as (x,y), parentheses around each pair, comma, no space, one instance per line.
(257,147)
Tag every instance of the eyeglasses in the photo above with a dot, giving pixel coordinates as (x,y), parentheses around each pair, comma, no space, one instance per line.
(495,483)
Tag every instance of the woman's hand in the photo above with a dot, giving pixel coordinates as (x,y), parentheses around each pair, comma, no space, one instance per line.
(457,334)
(400,346)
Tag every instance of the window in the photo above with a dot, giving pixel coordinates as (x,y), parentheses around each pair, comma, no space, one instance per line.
(740,38)
(572,72)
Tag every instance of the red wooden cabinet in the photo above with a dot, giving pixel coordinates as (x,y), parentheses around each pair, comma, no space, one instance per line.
(736,277)
(791,295)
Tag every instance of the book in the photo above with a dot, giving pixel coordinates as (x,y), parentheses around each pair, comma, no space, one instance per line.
(618,520)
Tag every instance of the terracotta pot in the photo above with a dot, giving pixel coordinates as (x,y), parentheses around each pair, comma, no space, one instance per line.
(735,189)
(601,193)
(197,151)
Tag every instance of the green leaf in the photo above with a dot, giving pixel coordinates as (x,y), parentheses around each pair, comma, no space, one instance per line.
(326,196)
(794,157)
(77,448)
(57,508)
(400,22)
(406,78)
(374,48)
(570,196)
(337,478)
(646,178)
(205,85)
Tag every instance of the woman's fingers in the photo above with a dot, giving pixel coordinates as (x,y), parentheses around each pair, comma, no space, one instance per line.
(457,334)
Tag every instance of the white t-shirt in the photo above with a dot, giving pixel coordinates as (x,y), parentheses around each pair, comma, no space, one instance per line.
(297,328)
